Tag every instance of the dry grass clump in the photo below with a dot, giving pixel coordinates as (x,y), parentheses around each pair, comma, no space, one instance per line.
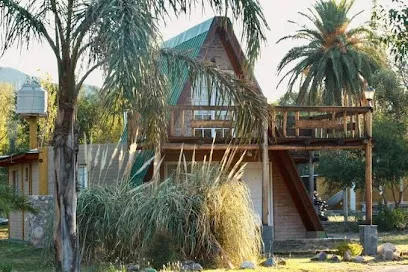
(203,208)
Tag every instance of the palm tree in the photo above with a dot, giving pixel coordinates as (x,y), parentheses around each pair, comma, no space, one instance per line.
(121,37)
(336,61)
(11,201)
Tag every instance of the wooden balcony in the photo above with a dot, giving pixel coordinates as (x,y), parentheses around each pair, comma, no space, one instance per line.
(320,127)
(290,127)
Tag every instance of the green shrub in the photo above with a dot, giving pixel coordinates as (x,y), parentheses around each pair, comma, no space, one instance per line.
(6,267)
(389,219)
(162,250)
(355,248)
(204,208)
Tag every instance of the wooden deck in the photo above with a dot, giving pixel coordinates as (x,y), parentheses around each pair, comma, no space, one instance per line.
(290,127)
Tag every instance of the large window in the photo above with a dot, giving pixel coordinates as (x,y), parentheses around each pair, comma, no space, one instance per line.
(201,96)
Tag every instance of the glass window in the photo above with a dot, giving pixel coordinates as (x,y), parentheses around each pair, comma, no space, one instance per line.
(83,177)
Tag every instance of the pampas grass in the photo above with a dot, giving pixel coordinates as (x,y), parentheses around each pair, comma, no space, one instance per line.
(204,208)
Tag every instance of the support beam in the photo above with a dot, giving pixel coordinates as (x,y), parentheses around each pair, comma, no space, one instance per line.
(265,176)
(311,176)
(32,122)
(177,146)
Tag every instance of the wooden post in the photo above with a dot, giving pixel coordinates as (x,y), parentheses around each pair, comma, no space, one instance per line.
(296,123)
(369,170)
(311,176)
(172,123)
(182,123)
(32,122)
(285,123)
(265,175)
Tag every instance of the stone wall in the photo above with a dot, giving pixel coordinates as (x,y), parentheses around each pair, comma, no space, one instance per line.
(38,224)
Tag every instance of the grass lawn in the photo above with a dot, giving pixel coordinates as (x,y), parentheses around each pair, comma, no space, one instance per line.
(23,257)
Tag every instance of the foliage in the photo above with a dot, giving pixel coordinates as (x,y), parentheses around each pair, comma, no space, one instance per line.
(7,107)
(97,123)
(393,21)
(12,200)
(162,250)
(336,60)
(342,168)
(46,124)
(6,267)
(389,219)
(355,248)
(207,212)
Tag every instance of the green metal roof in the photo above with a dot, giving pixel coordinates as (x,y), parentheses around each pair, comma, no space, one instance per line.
(190,43)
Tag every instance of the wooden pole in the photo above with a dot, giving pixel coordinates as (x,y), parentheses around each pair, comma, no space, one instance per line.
(311,176)
(265,176)
(32,122)
(369,171)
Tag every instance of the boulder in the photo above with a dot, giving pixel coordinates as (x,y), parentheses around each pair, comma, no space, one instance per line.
(191,266)
(386,246)
(248,265)
(269,262)
(347,256)
(358,259)
(132,267)
(335,258)
(321,256)
(282,261)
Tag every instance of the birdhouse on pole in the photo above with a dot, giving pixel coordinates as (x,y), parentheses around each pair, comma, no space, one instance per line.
(32,104)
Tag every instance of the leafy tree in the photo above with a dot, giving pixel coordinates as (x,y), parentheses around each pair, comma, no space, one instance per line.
(7,108)
(390,163)
(46,125)
(97,123)
(122,37)
(336,60)
(393,21)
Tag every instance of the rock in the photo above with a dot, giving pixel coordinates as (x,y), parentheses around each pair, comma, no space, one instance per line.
(269,262)
(347,256)
(335,258)
(321,256)
(386,246)
(358,259)
(387,255)
(191,266)
(132,267)
(248,265)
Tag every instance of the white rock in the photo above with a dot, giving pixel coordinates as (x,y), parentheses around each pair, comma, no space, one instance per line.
(248,265)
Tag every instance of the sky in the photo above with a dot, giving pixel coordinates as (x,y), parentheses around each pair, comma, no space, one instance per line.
(39,61)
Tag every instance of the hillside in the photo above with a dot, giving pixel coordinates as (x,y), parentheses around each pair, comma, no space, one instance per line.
(17,78)
(12,76)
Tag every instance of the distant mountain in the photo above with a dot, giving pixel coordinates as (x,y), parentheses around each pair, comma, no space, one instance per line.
(17,78)
(12,76)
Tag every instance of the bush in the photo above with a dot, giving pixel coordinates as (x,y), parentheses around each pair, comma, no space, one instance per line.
(389,219)
(162,250)
(355,248)
(204,208)
(6,267)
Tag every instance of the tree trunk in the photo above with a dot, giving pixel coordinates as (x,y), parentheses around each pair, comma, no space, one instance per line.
(65,149)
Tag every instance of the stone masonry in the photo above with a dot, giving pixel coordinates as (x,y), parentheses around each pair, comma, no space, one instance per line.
(37,223)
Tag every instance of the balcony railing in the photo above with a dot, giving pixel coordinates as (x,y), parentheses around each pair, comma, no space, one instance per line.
(319,122)
(286,122)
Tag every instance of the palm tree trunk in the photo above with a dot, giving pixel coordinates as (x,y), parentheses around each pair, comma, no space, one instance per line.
(65,149)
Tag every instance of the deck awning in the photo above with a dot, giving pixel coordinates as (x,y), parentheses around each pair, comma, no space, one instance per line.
(12,159)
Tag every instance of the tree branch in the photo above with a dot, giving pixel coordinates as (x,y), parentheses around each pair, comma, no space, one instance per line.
(81,81)
(19,22)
